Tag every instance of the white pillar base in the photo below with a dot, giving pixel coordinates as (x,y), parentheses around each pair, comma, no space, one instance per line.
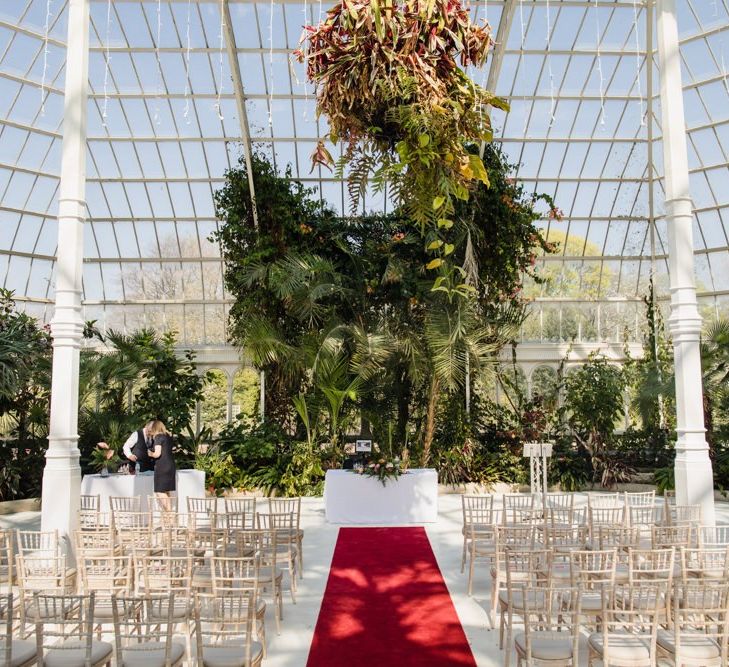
(61,492)
(695,482)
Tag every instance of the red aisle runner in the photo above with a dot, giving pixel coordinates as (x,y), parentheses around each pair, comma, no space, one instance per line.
(386,604)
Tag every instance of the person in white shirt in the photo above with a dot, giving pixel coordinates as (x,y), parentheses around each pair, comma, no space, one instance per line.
(136,448)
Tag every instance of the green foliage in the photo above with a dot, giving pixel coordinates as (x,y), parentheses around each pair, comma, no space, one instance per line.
(594,394)
(171,386)
(221,473)
(665,479)
(341,317)
(404,109)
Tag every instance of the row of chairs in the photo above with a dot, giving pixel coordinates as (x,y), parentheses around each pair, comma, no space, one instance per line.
(143,632)
(634,629)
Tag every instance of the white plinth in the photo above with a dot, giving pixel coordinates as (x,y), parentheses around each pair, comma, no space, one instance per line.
(356,499)
(190,483)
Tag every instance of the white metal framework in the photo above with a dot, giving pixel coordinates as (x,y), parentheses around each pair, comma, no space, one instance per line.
(584,126)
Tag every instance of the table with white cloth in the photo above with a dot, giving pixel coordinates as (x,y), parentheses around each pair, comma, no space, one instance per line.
(190,483)
(351,498)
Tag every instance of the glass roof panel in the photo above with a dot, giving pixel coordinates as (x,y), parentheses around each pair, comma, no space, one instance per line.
(163,128)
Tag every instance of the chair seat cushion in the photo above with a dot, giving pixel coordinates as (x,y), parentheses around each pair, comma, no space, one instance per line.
(230,654)
(21,652)
(622,646)
(151,654)
(515,599)
(693,647)
(73,654)
(546,645)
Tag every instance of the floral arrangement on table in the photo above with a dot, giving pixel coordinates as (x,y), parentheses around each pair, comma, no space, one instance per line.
(391,82)
(106,456)
(383,469)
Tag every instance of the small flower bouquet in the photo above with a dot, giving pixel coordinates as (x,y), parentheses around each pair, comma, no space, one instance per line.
(383,469)
(105,456)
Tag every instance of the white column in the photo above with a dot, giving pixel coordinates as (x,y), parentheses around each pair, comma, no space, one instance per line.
(62,474)
(694,480)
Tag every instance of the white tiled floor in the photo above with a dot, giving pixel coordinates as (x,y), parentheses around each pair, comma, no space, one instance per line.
(291,647)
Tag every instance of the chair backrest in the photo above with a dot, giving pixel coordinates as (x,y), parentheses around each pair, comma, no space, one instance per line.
(225,620)
(564,501)
(644,516)
(640,498)
(527,568)
(244,504)
(616,537)
(705,563)
(165,574)
(672,536)
(233,575)
(239,521)
(42,573)
(606,516)
(699,613)
(202,507)
(123,519)
(561,517)
(556,537)
(551,612)
(632,609)
(37,542)
(125,504)
(282,522)
(286,506)
(515,537)
(99,542)
(605,500)
(63,619)
(714,536)
(141,621)
(106,575)
(515,504)
(7,558)
(651,564)
(472,505)
(593,568)
(478,517)
(90,503)
(683,515)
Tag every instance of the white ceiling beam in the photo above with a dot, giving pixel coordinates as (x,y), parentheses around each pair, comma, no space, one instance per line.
(240,102)
(497,57)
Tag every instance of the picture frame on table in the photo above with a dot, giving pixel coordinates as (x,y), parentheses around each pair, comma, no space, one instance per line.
(363,446)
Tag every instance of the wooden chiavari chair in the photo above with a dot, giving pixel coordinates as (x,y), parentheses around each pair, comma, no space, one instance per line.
(224,630)
(516,538)
(283,525)
(593,573)
(478,508)
(291,506)
(519,508)
(705,563)
(13,652)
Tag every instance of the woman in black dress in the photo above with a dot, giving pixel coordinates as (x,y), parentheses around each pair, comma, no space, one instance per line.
(164,469)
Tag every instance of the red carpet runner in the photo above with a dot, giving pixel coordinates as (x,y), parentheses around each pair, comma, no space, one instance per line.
(386,604)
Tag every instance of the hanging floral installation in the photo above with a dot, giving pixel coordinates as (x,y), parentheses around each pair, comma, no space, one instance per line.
(389,78)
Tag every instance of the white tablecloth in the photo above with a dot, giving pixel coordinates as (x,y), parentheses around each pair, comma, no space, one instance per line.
(190,483)
(352,498)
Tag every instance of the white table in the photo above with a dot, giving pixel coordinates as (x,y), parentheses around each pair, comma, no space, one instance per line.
(190,483)
(350,498)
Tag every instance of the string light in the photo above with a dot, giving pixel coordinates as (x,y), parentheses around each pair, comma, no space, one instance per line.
(599,65)
(107,66)
(45,57)
(186,113)
(637,63)
(220,60)
(270,65)
(552,104)
(159,64)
